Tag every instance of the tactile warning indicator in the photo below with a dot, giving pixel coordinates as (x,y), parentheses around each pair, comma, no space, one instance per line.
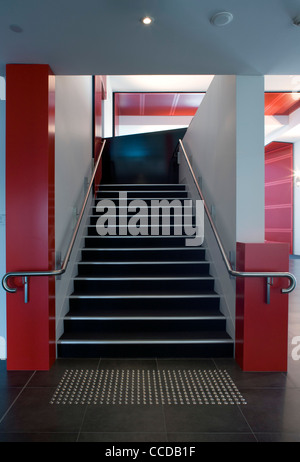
(143,386)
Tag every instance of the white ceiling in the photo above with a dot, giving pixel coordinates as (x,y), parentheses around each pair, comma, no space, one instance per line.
(106,36)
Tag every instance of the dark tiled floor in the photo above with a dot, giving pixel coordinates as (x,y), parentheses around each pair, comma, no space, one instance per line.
(272,412)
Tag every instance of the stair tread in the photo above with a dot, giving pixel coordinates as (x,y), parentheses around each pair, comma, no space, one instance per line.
(142,292)
(155,312)
(136,274)
(162,336)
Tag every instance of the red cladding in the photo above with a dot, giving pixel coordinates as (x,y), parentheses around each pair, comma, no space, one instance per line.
(279,193)
(261,328)
(99,95)
(281,103)
(157,104)
(30,203)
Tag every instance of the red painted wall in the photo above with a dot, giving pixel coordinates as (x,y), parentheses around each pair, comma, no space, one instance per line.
(30,219)
(100,93)
(279,193)
(261,328)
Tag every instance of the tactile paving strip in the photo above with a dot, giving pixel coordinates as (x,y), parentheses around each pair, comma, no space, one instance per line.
(142,386)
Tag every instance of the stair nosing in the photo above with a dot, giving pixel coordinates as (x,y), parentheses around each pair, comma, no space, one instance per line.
(129,236)
(140,184)
(144,341)
(194,262)
(145,296)
(144,278)
(143,248)
(144,318)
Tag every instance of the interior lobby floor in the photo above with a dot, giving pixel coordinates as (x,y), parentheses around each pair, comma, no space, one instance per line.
(68,403)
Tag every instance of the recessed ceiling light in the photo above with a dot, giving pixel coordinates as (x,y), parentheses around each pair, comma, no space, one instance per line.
(16,28)
(147,20)
(221,19)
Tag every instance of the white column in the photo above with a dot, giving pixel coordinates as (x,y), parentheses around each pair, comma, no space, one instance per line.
(250,170)
(296,200)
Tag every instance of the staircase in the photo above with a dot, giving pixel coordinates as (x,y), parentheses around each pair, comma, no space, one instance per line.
(143,296)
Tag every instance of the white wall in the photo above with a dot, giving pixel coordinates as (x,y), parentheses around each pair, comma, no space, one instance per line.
(73,163)
(73,150)
(2,221)
(250,158)
(296,201)
(225,143)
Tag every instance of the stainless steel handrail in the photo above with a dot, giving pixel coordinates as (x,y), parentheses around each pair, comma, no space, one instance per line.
(231,271)
(26,274)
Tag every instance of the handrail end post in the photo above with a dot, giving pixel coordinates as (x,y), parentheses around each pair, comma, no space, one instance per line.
(292,285)
(5,286)
(26,288)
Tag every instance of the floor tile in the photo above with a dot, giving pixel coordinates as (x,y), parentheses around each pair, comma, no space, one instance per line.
(278,437)
(124,418)
(205,418)
(272,410)
(33,413)
(211,437)
(7,398)
(13,378)
(52,378)
(111,363)
(202,364)
(38,437)
(116,437)
(252,379)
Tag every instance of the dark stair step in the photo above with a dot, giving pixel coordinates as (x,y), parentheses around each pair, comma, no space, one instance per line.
(134,241)
(150,269)
(131,195)
(141,187)
(166,205)
(142,312)
(119,328)
(161,230)
(151,303)
(186,219)
(203,344)
(144,254)
(94,285)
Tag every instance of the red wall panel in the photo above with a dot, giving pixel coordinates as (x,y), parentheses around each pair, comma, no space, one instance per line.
(157,104)
(99,95)
(30,223)
(279,193)
(261,328)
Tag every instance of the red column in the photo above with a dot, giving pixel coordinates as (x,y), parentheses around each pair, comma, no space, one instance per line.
(30,230)
(261,328)
(99,95)
(279,185)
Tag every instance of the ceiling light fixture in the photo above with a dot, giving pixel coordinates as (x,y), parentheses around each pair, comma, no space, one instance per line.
(147,20)
(221,19)
(296,21)
(16,28)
